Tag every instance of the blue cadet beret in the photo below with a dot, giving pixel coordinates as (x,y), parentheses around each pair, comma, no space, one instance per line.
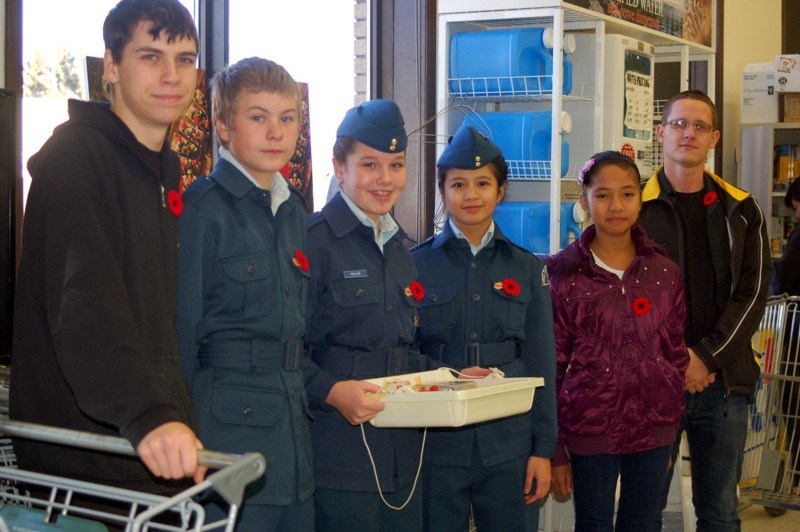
(467,149)
(376,123)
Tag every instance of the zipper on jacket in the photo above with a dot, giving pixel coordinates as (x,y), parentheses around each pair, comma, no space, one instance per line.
(163,196)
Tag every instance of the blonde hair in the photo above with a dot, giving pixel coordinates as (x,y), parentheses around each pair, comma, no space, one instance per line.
(254,74)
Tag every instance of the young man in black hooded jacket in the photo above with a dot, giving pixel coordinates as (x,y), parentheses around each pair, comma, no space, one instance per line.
(95,345)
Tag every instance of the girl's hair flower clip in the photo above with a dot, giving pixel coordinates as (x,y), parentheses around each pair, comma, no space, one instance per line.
(584,170)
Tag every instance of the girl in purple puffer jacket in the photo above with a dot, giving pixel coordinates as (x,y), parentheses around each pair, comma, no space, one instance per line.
(619,313)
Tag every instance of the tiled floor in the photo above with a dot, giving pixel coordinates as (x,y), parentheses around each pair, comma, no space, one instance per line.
(755,519)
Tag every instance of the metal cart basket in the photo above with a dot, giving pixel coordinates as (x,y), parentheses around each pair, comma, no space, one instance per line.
(771,471)
(20,510)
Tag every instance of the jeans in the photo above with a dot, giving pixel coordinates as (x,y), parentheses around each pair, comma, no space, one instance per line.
(716,446)
(594,481)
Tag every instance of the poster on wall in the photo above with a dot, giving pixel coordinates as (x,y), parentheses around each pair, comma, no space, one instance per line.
(190,136)
(638,117)
(688,19)
(298,170)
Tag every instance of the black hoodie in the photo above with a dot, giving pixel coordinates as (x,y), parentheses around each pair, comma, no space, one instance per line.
(95,346)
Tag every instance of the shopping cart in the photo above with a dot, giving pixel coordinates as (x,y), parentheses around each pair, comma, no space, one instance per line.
(771,470)
(53,499)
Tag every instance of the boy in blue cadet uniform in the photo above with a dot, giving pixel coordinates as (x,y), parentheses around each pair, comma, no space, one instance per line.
(486,302)
(363,303)
(95,347)
(243,277)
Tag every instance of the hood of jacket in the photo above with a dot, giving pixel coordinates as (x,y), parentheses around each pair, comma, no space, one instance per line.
(99,117)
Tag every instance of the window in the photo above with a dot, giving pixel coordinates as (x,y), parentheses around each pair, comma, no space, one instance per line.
(53,61)
(315,41)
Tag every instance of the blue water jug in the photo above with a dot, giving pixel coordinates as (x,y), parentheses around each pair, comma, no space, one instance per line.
(527,223)
(523,135)
(504,62)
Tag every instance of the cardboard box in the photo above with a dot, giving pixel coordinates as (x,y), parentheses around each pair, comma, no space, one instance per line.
(787,73)
(759,100)
(791,107)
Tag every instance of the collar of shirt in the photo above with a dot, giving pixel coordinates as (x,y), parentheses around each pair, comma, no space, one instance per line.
(279,190)
(388,227)
(606,267)
(485,240)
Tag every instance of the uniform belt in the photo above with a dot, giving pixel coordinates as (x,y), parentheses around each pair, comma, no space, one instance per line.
(365,365)
(283,354)
(475,354)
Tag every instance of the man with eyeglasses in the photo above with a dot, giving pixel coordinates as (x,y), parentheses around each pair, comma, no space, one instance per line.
(717,234)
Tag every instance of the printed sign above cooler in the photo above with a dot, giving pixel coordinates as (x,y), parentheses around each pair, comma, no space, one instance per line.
(666,21)
(691,20)
(628,99)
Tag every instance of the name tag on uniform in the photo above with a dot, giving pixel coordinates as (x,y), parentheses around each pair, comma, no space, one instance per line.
(354,274)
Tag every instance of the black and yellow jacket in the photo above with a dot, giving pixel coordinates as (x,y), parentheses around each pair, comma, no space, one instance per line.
(741,255)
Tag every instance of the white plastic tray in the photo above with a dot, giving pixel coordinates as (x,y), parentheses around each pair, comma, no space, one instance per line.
(495,397)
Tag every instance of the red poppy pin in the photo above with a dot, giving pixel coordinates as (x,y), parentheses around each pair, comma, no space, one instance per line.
(175,202)
(509,286)
(300,260)
(415,290)
(641,306)
(709,198)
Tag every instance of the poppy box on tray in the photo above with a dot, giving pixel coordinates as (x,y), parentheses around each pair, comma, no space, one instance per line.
(437,399)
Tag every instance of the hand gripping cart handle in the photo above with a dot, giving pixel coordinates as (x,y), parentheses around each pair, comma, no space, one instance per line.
(233,473)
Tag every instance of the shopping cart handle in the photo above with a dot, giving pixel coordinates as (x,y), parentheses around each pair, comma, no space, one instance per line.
(233,473)
(98,442)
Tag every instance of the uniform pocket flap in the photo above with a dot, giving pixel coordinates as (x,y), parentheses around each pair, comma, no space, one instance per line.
(247,406)
(249,268)
(355,292)
(438,295)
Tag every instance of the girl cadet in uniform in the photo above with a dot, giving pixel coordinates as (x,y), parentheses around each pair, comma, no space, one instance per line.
(363,301)
(486,303)
(363,306)
(619,313)
(243,277)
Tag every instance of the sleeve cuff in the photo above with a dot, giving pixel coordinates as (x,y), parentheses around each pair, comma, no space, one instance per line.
(706,357)
(561,457)
(148,421)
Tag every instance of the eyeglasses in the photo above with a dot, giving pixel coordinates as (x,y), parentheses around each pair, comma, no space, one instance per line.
(681,124)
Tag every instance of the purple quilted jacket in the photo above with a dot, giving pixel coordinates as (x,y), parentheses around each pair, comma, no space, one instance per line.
(621,355)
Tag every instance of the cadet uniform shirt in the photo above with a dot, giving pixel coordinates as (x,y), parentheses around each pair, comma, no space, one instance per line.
(279,189)
(386,229)
(474,249)
(473,314)
(241,314)
(362,320)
